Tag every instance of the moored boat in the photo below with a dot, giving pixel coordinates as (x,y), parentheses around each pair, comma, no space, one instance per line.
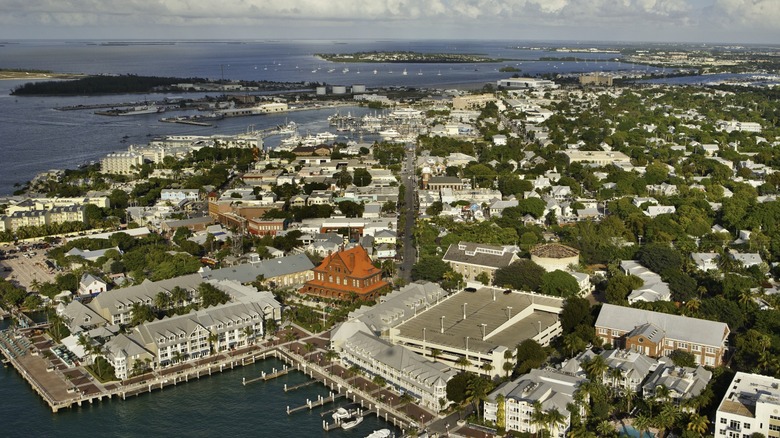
(351,422)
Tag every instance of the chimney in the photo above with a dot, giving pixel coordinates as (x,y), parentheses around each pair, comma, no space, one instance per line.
(352,260)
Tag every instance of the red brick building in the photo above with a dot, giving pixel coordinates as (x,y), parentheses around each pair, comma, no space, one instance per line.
(345,273)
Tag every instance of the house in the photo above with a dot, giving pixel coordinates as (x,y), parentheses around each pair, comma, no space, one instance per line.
(657,334)
(746,259)
(626,369)
(682,382)
(705,261)
(90,284)
(288,271)
(653,287)
(385,237)
(750,406)
(473,259)
(346,274)
(90,255)
(550,389)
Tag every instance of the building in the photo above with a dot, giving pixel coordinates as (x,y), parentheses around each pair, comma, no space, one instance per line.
(260,227)
(444,182)
(123,163)
(633,368)
(472,101)
(653,287)
(90,284)
(473,259)
(550,389)
(554,256)
(480,325)
(596,79)
(402,368)
(751,405)
(289,271)
(601,158)
(682,383)
(525,83)
(178,195)
(346,274)
(658,334)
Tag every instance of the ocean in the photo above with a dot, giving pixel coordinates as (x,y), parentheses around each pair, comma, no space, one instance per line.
(36,137)
(211,406)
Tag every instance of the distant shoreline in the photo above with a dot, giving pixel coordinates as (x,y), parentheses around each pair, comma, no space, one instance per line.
(16,75)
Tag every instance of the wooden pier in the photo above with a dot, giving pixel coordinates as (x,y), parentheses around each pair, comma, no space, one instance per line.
(314,404)
(266,377)
(302,385)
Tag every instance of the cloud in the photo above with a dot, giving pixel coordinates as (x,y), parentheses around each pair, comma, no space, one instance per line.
(413,17)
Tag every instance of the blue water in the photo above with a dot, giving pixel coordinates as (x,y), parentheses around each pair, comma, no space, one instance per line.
(37,138)
(631,432)
(216,405)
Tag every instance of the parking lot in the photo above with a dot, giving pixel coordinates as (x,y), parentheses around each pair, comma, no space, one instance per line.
(25,267)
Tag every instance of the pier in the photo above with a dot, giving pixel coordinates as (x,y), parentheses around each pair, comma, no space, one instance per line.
(314,404)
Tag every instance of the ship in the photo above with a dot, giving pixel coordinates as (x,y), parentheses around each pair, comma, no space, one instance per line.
(134,111)
(351,422)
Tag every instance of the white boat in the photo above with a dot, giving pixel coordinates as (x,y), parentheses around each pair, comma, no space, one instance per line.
(145,109)
(404,72)
(346,70)
(349,423)
(389,133)
(381,433)
(375,71)
(288,129)
(341,414)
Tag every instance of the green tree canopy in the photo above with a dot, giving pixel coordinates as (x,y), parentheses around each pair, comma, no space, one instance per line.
(522,274)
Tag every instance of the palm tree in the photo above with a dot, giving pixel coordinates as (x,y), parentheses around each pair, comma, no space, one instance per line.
(435,352)
(745,298)
(309,347)
(666,418)
(162,300)
(508,367)
(642,423)
(488,367)
(605,429)
(178,296)
(212,338)
(249,333)
(331,355)
(476,392)
(353,371)
(177,356)
(595,368)
(617,375)
(697,423)
(463,362)
(538,417)
(555,419)
(692,306)
(84,342)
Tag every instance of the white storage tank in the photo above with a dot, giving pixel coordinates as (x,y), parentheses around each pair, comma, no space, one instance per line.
(358,88)
(339,89)
(321,91)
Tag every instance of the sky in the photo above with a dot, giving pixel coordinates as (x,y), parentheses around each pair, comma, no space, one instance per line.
(706,21)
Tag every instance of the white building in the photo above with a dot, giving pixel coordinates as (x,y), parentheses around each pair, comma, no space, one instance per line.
(123,163)
(553,390)
(751,405)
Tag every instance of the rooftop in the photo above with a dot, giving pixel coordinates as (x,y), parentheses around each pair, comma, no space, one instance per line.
(481,308)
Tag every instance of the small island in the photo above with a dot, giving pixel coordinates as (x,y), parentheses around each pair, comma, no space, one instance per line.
(16,74)
(407,57)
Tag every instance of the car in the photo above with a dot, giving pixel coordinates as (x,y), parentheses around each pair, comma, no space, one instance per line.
(470,289)
(508,291)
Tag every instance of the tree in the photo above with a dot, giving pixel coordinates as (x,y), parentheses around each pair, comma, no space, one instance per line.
(595,368)
(683,358)
(477,391)
(697,423)
(309,348)
(249,334)
(483,278)
(522,274)
(351,209)
(361,177)
(343,178)
(555,419)
(435,353)
(560,284)
(530,355)
(575,311)
(430,268)
(463,362)
(642,423)
(141,313)
(211,296)
(659,257)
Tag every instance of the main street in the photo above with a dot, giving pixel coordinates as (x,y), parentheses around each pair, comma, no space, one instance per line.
(409,179)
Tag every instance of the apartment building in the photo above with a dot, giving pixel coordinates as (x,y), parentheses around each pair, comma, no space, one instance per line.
(751,405)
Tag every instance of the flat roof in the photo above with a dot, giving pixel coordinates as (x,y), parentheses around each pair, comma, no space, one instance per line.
(480,308)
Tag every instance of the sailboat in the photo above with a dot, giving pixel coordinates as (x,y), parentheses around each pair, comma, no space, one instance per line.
(439,73)
(419,73)
(404,72)
(375,71)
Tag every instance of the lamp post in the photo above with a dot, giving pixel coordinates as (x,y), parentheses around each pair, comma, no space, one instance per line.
(464,310)
(483,330)
(509,310)
(442,323)
(423,345)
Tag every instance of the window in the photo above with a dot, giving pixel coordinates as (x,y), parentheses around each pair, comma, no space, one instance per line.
(696,348)
(602,331)
(615,333)
(710,350)
(734,424)
(669,343)
(682,345)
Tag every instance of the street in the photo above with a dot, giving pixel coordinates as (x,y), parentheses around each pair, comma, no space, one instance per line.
(410,197)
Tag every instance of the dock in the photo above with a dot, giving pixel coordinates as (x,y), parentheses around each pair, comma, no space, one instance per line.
(315,404)
(266,376)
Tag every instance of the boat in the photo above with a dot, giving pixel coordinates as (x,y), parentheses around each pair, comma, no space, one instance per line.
(404,72)
(419,73)
(381,433)
(351,422)
(346,70)
(375,72)
(288,128)
(341,414)
(389,133)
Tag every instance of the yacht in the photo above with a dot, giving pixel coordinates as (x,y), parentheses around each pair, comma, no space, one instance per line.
(381,433)
(351,422)
(375,71)
(346,70)
(404,72)
(341,414)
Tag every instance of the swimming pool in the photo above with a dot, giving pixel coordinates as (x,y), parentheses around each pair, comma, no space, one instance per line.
(627,430)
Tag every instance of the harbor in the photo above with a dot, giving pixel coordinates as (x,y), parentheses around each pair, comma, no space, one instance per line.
(64,385)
